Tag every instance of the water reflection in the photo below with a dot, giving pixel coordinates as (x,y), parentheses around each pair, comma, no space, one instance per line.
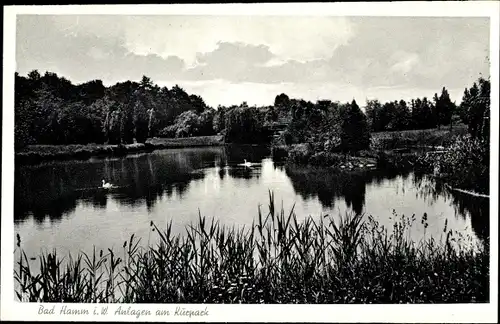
(330,185)
(465,205)
(53,189)
(179,182)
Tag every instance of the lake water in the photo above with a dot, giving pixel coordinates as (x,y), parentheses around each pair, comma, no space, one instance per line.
(61,205)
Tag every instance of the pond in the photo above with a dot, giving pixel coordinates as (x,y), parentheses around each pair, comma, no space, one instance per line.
(62,204)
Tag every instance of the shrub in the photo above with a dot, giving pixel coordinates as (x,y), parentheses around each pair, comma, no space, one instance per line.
(300,153)
(465,164)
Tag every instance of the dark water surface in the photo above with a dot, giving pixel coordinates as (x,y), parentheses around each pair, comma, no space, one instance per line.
(61,205)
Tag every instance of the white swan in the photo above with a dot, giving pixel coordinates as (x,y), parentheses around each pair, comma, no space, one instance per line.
(106,185)
(246,164)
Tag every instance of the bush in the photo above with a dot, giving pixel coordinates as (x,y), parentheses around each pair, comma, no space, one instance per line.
(300,153)
(279,152)
(465,164)
(326,159)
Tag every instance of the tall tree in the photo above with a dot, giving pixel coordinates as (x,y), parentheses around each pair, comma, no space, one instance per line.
(402,116)
(281,101)
(142,104)
(373,111)
(444,108)
(475,108)
(355,134)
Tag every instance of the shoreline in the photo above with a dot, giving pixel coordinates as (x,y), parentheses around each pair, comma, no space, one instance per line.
(467,192)
(34,154)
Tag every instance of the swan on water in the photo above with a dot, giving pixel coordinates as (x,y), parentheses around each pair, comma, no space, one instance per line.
(246,164)
(106,184)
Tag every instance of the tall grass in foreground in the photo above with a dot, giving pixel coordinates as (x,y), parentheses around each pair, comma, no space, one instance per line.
(351,259)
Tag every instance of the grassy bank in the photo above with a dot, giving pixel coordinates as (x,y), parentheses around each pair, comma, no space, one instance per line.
(38,153)
(351,259)
(431,138)
(414,149)
(387,149)
(186,141)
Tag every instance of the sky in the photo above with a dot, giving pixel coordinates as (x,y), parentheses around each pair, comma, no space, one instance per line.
(230,59)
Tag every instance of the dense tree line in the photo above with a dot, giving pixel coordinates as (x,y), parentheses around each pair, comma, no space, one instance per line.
(51,110)
(334,126)
(246,124)
(417,114)
(343,126)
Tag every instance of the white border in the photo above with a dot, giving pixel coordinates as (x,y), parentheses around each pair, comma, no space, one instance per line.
(474,313)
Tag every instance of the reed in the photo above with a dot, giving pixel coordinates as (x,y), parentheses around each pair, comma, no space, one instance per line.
(279,259)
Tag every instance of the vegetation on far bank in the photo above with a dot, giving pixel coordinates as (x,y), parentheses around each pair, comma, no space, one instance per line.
(423,138)
(50,110)
(279,259)
(37,153)
(338,136)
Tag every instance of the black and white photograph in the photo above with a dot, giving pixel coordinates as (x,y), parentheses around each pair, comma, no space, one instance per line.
(202,162)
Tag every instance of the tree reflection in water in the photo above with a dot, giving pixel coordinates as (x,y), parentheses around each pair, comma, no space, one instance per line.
(330,185)
(465,205)
(52,190)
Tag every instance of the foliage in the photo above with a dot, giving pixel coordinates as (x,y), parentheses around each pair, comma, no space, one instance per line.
(300,153)
(219,120)
(281,101)
(444,108)
(355,135)
(245,124)
(422,112)
(51,110)
(190,123)
(465,164)
(475,109)
(328,126)
(314,123)
(399,115)
(279,259)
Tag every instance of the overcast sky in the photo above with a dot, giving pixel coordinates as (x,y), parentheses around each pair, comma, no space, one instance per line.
(230,59)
